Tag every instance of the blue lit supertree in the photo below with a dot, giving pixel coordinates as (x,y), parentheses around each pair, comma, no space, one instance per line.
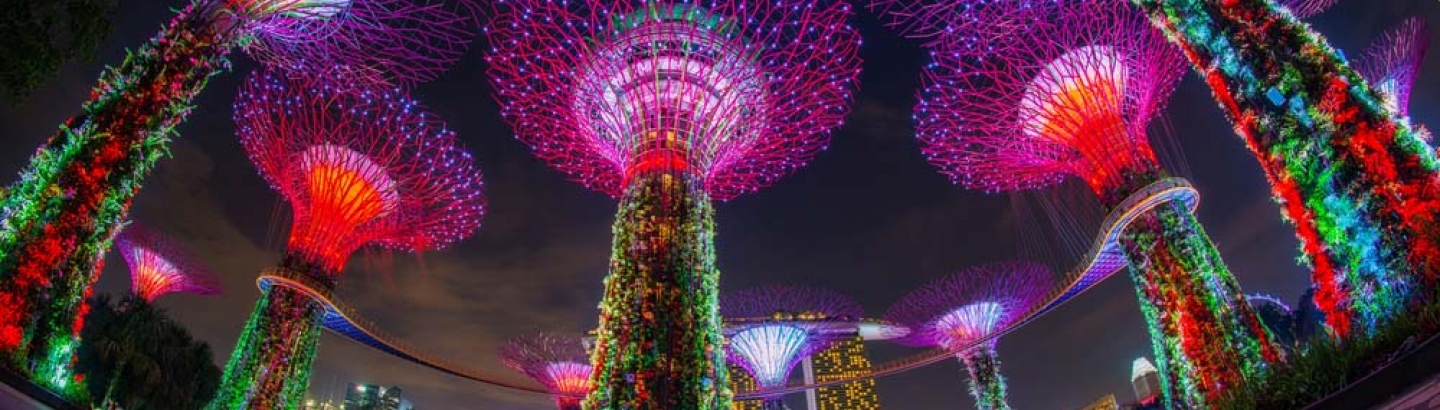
(772,328)
(964,311)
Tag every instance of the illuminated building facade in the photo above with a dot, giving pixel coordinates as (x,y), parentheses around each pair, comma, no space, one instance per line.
(845,360)
(741,381)
(1104,403)
(1146,381)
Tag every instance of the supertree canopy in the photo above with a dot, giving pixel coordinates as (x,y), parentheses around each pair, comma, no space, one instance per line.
(558,362)
(58,220)
(1071,98)
(1393,61)
(158,265)
(1306,8)
(357,168)
(1355,178)
(964,311)
(772,328)
(669,104)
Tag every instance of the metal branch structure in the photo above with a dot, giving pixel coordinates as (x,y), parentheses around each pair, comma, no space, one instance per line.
(358,168)
(772,328)
(964,311)
(1356,179)
(58,219)
(1393,61)
(1307,8)
(560,363)
(159,266)
(669,105)
(1071,97)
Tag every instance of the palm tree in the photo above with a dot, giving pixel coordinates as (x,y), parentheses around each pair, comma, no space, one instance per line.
(136,357)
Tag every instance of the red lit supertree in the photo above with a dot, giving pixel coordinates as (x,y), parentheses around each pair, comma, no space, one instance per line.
(959,311)
(772,328)
(158,265)
(57,221)
(669,104)
(1071,98)
(358,168)
(1393,61)
(558,362)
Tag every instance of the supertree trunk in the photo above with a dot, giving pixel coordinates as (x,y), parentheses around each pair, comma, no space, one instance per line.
(659,345)
(1362,190)
(1206,337)
(270,367)
(57,221)
(987,386)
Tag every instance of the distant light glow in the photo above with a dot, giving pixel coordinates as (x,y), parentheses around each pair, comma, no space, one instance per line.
(159,267)
(769,352)
(970,322)
(568,377)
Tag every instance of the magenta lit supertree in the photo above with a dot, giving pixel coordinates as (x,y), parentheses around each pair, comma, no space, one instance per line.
(358,168)
(57,221)
(1393,61)
(669,104)
(1071,98)
(964,311)
(772,328)
(558,362)
(1306,8)
(158,265)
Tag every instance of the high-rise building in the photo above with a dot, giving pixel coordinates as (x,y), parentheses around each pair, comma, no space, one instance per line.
(312,404)
(846,359)
(375,397)
(1107,402)
(741,381)
(1146,381)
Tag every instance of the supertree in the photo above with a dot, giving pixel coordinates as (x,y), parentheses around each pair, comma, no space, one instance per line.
(58,220)
(964,311)
(1279,318)
(1356,179)
(358,168)
(558,362)
(158,265)
(668,105)
(1071,98)
(1393,61)
(772,328)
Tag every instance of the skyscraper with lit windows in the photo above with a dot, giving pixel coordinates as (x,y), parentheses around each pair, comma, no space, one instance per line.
(740,381)
(846,359)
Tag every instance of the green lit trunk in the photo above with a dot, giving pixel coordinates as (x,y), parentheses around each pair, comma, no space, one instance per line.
(1205,336)
(57,221)
(987,386)
(270,367)
(659,345)
(1358,182)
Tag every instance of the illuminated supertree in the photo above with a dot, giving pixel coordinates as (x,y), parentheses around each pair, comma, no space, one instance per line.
(1279,318)
(358,168)
(772,328)
(966,307)
(1071,98)
(669,105)
(1306,8)
(558,362)
(1356,179)
(1393,61)
(158,266)
(58,220)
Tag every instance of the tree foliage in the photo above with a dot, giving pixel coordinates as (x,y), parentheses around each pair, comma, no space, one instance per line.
(134,355)
(38,36)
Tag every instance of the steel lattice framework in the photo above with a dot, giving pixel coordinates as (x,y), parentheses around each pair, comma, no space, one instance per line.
(963,312)
(358,168)
(159,266)
(772,328)
(1393,61)
(670,104)
(737,93)
(56,222)
(1071,97)
(558,362)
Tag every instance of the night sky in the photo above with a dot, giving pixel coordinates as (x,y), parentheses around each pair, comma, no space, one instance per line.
(867,217)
